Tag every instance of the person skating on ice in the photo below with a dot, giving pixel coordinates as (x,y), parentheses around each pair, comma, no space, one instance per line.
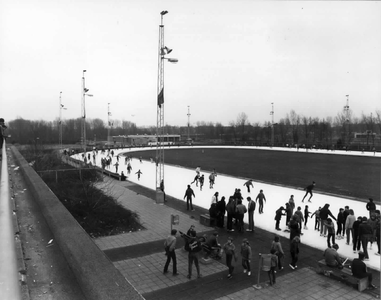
(308,190)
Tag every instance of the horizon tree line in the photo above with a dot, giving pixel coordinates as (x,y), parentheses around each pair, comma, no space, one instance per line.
(293,129)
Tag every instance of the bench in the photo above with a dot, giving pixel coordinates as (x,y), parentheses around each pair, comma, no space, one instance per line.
(206,220)
(344,275)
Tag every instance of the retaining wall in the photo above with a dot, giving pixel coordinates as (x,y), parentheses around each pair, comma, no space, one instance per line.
(95,273)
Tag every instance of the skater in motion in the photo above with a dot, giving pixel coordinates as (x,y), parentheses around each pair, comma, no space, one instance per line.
(129,168)
(212,177)
(249,184)
(139,173)
(201,180)
(196,179)
(308,190)
(260,198)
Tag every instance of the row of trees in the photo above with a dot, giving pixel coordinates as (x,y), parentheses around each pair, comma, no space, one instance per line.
(292,129)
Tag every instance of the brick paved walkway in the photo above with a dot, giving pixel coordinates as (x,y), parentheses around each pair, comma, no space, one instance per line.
(140,258)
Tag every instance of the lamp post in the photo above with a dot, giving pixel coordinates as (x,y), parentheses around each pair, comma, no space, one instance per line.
(84,94)
(108,122)
(188,140)
(163,50)
(61,107)
(346,109)
(272,124)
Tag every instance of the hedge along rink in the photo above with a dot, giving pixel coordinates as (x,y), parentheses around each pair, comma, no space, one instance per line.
(95,273)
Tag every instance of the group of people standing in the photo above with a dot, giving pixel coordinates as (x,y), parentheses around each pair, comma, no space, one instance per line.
(195,245)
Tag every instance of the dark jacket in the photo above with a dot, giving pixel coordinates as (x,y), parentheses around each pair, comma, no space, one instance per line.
(189,193)
(325,212)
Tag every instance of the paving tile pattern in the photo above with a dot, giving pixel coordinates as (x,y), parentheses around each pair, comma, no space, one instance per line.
(146,273)
(154,217)
(303,284)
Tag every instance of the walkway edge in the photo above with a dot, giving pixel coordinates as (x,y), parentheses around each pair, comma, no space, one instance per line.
(95,273)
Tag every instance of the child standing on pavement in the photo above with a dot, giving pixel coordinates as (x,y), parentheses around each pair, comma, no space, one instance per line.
(246,256)
(269,263)
(229,250)
(277,246)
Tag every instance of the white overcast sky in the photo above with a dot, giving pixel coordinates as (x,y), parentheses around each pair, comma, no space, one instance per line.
(234,56)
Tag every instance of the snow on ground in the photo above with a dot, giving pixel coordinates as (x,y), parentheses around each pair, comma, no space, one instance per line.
(177,179)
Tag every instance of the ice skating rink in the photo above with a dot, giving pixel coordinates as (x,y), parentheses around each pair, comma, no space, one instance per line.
(177,179)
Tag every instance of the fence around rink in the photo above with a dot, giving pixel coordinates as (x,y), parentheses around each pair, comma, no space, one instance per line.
(9,282)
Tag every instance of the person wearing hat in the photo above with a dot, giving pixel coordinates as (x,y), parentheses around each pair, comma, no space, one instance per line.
(371,207)
(229,250)
(332,258)
(246,256)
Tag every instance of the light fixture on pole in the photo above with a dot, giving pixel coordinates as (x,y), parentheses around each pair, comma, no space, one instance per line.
(61,107)
(163,50)
(84,94)
(188,139)
(109,123)
(272,124)
(346,123)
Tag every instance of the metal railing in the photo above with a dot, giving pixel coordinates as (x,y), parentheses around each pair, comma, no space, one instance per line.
(9,282)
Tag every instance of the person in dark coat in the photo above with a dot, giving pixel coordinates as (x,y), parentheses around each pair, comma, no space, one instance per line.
(324,213)
(294,251)
(294,227)
(340,224)
(359,269)
(365,234)
(356,237)
(188,194)
(221,206)
(278,215)
(308,190)
(288,214)
(230,210)
(371,207)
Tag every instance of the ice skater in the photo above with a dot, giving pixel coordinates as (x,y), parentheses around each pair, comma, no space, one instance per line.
(249,184)
(308,190)
(196,179)
(139,173)
(201,180)
(211,180)
(260,198)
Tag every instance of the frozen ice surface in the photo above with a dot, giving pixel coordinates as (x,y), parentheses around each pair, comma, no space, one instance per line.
(177,179)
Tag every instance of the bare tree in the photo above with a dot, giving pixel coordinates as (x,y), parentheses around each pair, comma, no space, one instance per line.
(242,121)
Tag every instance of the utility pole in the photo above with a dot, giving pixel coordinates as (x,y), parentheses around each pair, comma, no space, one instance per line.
(188,140)
(272,124)
(108,123)
(163,50)
(346,109)
(83,111)
(60,123)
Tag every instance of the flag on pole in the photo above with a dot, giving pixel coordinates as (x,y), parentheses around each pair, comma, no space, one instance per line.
(160,97)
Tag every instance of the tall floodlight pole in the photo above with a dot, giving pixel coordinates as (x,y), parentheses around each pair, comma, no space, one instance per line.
(162,51)
(61,107)
(60,122)
(83,111)
(108,122)
(346,109)
(272,124)
(188,123)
